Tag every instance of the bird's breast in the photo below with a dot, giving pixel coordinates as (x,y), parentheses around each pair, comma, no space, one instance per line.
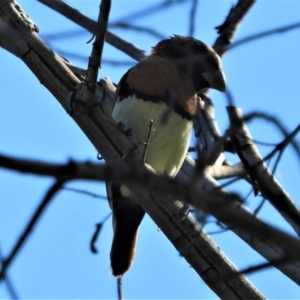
(170,134)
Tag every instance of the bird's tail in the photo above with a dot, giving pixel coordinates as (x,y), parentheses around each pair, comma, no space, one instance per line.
(127,217)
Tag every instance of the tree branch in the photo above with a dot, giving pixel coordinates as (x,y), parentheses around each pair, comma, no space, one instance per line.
(90,25)
(259,172)
(268,241)
(230,26)
(96,55)
(30,227)
(260,35)
(206,127)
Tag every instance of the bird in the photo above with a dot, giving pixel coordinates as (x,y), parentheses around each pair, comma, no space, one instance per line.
(163,89)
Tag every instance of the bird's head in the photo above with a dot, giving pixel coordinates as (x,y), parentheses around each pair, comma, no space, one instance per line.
(195,60)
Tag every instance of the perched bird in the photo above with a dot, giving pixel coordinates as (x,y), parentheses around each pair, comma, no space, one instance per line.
(163,88)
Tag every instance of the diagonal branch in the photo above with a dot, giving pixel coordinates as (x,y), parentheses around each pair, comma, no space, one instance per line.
(275,121)
(90,25)
(150,10)
(260,35)
(228,29)
(10,288)
(139,29)
(259,172)
(30,227)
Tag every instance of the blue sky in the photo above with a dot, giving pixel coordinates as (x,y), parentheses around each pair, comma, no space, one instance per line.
(56,261)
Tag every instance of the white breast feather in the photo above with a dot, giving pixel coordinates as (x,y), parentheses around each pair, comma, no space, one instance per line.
(169,142)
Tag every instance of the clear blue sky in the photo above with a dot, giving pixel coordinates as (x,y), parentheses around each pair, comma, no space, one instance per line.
(56,261)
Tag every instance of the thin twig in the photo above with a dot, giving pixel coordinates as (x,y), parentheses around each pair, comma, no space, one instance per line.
(83,192)
(96,55)
(260,173)
(277,262)
(111,62)
(120,290)
(10,288)
(139,29)
(160,7)
(97,233)
(282,146)
(90,25)
(148,139)
(95,238)
(192,17)
(260,35)
(30,226)
(277,123)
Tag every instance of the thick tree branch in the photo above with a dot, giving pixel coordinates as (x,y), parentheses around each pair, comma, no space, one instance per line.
(268,241)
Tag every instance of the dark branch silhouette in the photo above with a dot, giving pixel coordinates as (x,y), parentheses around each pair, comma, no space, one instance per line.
(90,25)
(138,28)
(6,263)
(192,18)
(96,55)
(264,34)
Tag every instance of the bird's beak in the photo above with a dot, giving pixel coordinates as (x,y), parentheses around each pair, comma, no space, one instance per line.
(216,80)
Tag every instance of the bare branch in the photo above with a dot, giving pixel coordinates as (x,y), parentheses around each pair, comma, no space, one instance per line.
(30,227)
(265,246)
(269,118)
(160,7)
(19,39)
(230,26)
(260,173)
(10,288)
(112,62)
(96,55)
(206,127)
(260,35)
(268,241)
(120,290)
(222,172)
(192,18)
(183,231)
(90,25)
(137,28)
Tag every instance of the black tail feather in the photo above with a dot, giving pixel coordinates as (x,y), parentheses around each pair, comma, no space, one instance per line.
(127,218)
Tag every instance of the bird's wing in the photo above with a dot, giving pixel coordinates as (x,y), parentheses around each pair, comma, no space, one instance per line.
(157,79)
